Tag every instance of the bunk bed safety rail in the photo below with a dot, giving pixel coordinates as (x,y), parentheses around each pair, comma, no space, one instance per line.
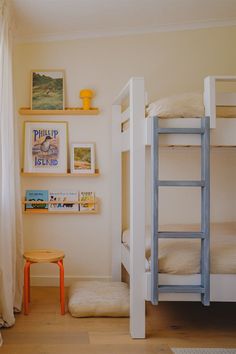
(212,98)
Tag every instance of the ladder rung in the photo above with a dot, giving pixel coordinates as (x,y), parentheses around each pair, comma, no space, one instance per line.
(181,289)
(180,131)
(181,183)
(179,234)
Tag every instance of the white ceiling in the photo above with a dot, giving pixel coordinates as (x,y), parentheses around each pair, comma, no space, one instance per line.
(38,20)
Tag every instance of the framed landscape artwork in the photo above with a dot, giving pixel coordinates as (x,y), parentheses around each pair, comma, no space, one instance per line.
(47,90)
(82,158)
(45,147)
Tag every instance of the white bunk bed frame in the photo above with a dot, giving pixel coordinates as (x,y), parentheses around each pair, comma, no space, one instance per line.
(134,140)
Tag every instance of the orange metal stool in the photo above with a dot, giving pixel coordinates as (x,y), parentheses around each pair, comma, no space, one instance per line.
(43,256)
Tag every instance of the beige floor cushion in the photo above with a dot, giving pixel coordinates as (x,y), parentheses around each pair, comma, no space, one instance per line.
(99,299)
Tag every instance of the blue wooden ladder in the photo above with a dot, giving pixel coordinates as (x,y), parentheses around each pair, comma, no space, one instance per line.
(204,234)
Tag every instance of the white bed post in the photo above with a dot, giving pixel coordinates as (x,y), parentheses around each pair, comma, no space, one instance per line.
(210,99)
(137,208)
(116,218)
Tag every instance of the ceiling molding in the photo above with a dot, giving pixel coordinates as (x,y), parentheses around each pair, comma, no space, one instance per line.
(53,37)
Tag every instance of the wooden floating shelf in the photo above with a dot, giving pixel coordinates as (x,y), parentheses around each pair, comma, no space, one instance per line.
(73,111)
(57,202)
(68,174)
(44,211)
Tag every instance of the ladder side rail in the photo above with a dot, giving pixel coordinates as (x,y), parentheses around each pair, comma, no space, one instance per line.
(154,225)
(205,211)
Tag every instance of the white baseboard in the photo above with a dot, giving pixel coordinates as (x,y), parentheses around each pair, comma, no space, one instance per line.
(44,280)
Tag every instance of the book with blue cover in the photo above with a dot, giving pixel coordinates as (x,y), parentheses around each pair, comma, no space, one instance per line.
(36,196)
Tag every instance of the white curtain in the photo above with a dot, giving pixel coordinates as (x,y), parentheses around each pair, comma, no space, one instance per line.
(11,237)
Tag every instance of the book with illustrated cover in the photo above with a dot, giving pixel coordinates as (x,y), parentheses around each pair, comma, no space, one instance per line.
(87,201)
(63,201)
(36,196)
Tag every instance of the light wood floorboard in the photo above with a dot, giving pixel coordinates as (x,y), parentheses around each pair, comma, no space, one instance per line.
(45,331)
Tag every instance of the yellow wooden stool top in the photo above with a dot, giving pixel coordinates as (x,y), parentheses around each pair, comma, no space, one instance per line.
(44,256)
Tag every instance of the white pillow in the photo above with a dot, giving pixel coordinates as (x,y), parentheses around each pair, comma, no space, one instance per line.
(99,299)
(126,239)
(186,105)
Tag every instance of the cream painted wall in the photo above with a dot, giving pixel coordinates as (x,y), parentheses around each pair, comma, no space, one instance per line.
(170,63)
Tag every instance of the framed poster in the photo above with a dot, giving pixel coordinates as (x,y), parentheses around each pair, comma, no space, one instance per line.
(45,147)
(82,158)
(47,90)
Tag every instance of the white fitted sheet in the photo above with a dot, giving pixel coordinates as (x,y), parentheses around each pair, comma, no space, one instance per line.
(182,256)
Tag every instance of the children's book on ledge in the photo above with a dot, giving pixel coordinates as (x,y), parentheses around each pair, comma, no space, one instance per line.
(63,201)
(87,201)
(37,196)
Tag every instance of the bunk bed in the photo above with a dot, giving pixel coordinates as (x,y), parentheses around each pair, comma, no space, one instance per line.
(132,131)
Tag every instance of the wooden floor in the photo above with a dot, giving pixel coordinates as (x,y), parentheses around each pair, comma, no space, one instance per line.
(45,331)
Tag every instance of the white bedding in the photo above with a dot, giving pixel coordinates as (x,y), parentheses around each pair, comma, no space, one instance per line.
(182,256)
(185,105)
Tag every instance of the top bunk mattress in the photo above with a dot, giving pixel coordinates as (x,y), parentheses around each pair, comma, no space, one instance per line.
(186,105)
(182,256)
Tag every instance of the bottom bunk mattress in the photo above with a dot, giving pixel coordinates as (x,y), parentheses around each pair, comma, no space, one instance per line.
(182,256)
